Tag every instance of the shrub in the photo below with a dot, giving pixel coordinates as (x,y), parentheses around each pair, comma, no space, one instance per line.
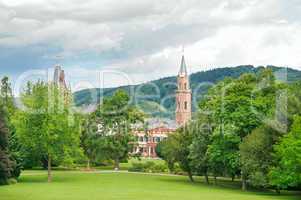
(12,181)
(136,167)
(149,167)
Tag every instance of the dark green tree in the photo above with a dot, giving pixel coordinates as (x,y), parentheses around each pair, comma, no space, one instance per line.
(166,150)
(256,155)
(183,140)
(117,115)
(6,165)
(15,152)
(199,147)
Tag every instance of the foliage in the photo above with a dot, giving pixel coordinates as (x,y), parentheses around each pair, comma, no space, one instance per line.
(256,154)
(287,171)
(6,165)
(223,155)
(116,116)
(166,150)
(149,167)
(47,126)
(198,149)
(176,149)
(7,101)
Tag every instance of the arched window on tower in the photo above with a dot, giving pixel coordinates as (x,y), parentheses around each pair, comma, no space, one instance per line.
(185,105)
(179,105)
(185,86)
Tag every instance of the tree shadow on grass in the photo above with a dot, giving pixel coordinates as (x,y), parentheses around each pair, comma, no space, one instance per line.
(44,179)
(228,185)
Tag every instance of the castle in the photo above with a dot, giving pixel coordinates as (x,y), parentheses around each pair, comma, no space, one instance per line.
(59,80)
(147,140)
(59,77)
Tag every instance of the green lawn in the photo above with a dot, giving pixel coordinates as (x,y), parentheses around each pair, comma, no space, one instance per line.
(69,185)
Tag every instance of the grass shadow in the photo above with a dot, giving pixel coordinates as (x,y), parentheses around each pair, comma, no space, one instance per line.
(230,186)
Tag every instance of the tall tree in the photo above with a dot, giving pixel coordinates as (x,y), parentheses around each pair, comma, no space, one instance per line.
(183,140)
(48,127)
(223,152)
(6,165)
(256,155)
(117,116)
(7,101)
(199,147)
(237,107)
(287,171)
(166,150)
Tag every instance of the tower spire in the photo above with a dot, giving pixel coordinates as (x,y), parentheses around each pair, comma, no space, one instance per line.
(183,68)
(183,95)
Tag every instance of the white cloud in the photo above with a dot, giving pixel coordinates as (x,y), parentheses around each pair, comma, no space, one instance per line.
(143,37)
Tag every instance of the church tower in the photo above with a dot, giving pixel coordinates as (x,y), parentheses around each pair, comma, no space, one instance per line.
(183,96)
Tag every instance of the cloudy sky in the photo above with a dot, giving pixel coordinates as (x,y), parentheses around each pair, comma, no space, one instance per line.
(140,40)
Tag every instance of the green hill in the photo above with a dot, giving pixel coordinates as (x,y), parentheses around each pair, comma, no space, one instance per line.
(157,97)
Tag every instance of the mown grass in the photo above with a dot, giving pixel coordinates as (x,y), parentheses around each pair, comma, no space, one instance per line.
(76,185)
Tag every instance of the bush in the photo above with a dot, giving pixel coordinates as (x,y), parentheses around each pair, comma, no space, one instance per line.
(160,168)
(12,181)
(148,167)
(178,170)
(137,167)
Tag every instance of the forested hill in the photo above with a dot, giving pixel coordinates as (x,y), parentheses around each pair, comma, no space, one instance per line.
(158,97)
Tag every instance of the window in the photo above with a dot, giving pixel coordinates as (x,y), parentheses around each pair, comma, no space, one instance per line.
(179,105)
(185,86)
(185,105)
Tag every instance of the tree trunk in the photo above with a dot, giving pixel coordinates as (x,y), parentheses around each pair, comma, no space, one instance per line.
(88,164)
(49,169)
(244,183)
(206,178)
(116,164)
(215,180)
(190,176)
(232,178)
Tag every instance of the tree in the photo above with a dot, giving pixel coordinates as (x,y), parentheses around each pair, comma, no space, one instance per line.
(48,127)
(256,155)
(117,116)
(7,100)
(182,142)
(287,171)
(237,107)
(6,165)
(91,140)
(199,147)
(166,150)
(223,155)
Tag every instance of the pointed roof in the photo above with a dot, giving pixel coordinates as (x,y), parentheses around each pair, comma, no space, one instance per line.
(57,71)
(183,69)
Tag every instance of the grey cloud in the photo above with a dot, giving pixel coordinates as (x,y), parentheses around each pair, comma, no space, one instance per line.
(124,32)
